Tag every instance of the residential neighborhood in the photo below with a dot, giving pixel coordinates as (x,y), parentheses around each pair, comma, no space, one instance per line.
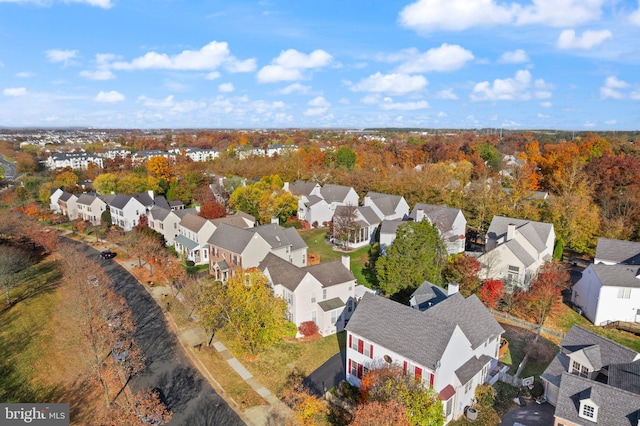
(291,295)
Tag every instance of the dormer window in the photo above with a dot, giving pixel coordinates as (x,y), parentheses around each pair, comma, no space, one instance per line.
(588,410)
(579,370)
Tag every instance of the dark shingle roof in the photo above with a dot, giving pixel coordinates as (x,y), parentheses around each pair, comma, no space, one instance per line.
(616,407)
(120,200)
(625,376)
(331,304)
(86,199)
(617,275)
(278,236)
(611,352)
(422,336)
(386,203)
(231,238)
(159,213)
(66,196)
(536,233)
(471,368)
(441,216)
(390,226)
(301,187)
(428,295)
(618,251)
(334,193)
(193,222)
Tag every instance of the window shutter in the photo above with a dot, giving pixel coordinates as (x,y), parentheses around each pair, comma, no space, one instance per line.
(359,371)
(349,369)
(418,374)
(404,369)
(431,378)
(371,351)
(361,346)
(351,340)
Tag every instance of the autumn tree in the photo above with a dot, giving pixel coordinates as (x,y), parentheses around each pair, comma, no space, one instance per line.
(345,226)
(491,292)
(376,413)
(160,168)
(464,270)
(388,383)
(545,292)
(245,310)
(212,210)
(308,409)
(264,200)
(417,254)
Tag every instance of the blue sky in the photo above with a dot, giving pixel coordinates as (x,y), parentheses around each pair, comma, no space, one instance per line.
(555,64)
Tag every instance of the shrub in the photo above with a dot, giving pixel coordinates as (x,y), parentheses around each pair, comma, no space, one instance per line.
(190,263)
(308,328)
(485,395)
(291,330)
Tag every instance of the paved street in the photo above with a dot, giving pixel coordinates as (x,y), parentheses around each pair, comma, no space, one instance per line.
(9,168)
(185,391)
(532,414)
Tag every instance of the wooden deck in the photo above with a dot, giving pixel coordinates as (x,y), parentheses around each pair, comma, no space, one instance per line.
(631,327)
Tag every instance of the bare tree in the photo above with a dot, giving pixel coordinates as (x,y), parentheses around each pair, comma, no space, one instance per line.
(345,224)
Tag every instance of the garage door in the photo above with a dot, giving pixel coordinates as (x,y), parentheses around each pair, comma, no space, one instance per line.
(551,393)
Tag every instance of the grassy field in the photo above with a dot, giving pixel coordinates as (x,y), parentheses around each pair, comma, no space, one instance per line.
(289,360)
(315,239)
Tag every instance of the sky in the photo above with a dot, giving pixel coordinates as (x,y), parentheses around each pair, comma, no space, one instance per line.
(512,64)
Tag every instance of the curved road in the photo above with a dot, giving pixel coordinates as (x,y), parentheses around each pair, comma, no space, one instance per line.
(185,391)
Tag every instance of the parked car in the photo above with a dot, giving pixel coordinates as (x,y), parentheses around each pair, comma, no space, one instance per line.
(108,254)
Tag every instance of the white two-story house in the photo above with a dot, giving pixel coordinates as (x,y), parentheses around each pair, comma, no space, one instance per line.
(515,250)
(90,208)
(192,238)
(323,293)
(609,289)
(127,209)
(450,347)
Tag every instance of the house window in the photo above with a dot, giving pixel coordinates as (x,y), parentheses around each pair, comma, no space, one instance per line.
(512,273)
(468,386)
(588,411)
(368,352)
(354,368)
(624,293)
(579,370)
(314,317)
(334,316)
(313,297)
(354,343)
(324,294)
(349,305)
(449,408)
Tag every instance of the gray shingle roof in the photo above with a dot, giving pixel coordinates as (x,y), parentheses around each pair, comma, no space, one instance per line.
(334,193)
(189,244)
(535,232)
(86,199)
(301,187)
(519,252)
(625,376)
(331,304)
(369,215)
(290,276)
(66,196)
(422,336)
(231,238)
(386,203)
(159,213)
(428,295)
(618,251)
(390,226)
(160,201)
(617,275)
(120,200)
(616,407)
(441,216)
(278,236)
(193,222)
(471,368)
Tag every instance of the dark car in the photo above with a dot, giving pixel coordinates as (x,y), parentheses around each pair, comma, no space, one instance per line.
(108,254)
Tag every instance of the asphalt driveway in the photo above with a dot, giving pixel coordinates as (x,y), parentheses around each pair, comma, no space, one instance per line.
(327,375)
(532,414)
(186,393)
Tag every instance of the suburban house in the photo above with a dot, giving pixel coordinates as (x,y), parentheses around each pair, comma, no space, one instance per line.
(322,293)
(192,239)
(165,221)
(67,202)
(339,195)
(127,209)
(53,200)
(90,208)
(302,190)
(363,221)
(232,248)
(609,289)
(515,250)
(387,207)
(451,346)
(593,380)
(450,222)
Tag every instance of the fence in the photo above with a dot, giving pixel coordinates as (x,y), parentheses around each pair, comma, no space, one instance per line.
(510,319)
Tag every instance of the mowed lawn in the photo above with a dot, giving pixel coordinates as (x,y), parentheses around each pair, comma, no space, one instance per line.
(318,245)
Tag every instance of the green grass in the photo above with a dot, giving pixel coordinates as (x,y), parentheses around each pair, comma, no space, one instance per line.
(25,333)
(317,244)
(285,361)
(518,339)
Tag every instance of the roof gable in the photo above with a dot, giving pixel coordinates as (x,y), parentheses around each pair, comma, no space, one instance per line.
(618,251)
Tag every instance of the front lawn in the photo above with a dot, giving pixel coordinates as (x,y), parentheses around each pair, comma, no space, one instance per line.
(276,365)
(518,339)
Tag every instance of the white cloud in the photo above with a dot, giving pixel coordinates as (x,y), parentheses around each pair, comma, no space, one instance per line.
(290,65)
(212,75)
(295,88)
(64,56)
(588,40)
(611,88)
(319,101)
(546,104)
(391,83)
(447,57)
(517,56)
(611,122)
(156,103)
(14,91)
(105,4)
(226,87)
(635,95)
(97,75)
(209,57)
(517,88)
(447,94)
(25,74)
(390,105)
(457,15)
(319,106)
(634,17)
(442,114)
(109,97)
